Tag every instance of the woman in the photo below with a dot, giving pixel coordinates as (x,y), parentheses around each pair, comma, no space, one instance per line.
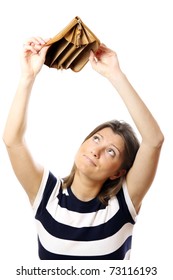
(90,214)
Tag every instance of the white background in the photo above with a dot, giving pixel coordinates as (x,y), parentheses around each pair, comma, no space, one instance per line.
(65,106)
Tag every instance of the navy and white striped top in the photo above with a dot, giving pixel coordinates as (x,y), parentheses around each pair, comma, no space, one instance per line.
(72,229)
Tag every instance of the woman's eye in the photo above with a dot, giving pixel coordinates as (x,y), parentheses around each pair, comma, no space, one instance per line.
(96,138)
(111,152)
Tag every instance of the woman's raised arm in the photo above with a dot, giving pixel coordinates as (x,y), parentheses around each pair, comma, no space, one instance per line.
(141,174)
(28,172)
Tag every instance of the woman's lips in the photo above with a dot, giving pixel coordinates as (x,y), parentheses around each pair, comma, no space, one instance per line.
(90,160)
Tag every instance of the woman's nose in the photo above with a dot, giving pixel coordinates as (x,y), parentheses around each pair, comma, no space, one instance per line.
(95,152)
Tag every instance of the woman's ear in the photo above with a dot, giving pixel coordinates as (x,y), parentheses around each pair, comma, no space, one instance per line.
(120,173)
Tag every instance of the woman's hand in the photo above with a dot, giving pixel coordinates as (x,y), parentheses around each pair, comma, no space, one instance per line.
(105,62)
(33,56)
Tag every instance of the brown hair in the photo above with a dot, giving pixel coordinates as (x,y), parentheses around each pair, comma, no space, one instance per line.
(131,143)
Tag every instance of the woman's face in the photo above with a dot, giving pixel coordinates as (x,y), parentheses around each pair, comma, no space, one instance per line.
(101,156)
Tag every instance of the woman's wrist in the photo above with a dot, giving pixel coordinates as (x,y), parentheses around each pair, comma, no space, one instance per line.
(117,78)
(27,78)
(26,82)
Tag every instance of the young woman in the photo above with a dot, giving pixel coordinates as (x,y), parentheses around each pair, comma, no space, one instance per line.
(90,214)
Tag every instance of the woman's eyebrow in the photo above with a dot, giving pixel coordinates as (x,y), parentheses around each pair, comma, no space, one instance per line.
(100,134)
(116,148)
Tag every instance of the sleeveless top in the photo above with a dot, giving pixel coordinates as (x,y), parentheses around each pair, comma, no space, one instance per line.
(69,228)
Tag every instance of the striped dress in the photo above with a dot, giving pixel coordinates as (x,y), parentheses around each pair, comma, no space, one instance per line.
(70,229)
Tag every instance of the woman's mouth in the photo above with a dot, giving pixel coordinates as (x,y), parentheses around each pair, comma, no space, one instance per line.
(90,160)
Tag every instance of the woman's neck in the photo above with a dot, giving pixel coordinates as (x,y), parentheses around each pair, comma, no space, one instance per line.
(84,188)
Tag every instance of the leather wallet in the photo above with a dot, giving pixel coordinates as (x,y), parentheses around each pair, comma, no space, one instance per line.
(71,47)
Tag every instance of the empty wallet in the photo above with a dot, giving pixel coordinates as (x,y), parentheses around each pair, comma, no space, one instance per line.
(71,47)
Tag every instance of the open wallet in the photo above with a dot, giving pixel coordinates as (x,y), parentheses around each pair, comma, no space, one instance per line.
(71,47)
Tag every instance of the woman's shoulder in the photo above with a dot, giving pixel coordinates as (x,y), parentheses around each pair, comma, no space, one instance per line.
(125,200)
(50,183)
